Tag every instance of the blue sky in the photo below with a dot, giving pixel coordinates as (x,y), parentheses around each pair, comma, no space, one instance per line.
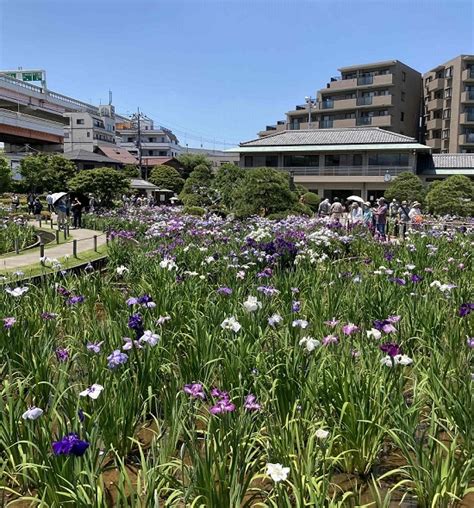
(221,69)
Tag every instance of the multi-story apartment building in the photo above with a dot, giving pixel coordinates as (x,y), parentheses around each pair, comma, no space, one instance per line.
(449,106)
(154,141)
(382,94)
(87,130)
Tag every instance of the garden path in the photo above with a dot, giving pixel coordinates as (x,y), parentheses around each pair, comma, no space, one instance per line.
(85,242)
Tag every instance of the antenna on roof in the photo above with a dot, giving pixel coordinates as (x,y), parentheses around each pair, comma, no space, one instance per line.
(110,97)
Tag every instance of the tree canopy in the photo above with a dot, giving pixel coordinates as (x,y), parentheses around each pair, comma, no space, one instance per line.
(106,184)
(6,179)
(264,191)
(453,196)
(310,199)
(228,177)
(46,172)
(166,177)
(405,187)
(131,171)
(198,190)
(189,161)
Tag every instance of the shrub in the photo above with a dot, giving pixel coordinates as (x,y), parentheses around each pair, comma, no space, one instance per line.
(166,177)
(194,210)
(311,200)
(405,187)
(454,196)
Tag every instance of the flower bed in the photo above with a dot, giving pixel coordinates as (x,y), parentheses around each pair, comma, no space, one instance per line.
(17,229)
(260,363)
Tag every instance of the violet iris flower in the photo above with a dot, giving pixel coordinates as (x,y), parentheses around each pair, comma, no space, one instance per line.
(195,390)
(296,306)
(250,403)
(350,328)
(135,322)
(225,291)
(116,358)
(391,349)
(466,309)
(62,354)
(416,278)
(8,322)
(95,347)
(70,445)
(222,406)
(398,280)
(75,299)
(384,325)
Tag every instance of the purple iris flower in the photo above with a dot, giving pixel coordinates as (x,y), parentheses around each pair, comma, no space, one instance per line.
(350,328)
(398,280)
(267,272)
(8,322)
(195,390)
(466,309)
(116,358)
(330,339)
(80,415)
(332,323)
(222,406)
(251,404)
(388,256)
(416,278)
(62,354)
(70,445)
(132,301)
(384,325)
(75,299)
(391,349)
(268,290)
(63,291)
(296,306)
(470,342)
(393,319)
(215,392)
(224,291)
(144,299)
(135,322)
(95,347)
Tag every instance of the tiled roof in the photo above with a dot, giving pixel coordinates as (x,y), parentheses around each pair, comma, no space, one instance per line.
(352,136)
(452,161)
(157,161)
(85,155)
(119,154)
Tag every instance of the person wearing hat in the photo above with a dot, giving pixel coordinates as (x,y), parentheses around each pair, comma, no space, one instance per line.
(367,215)
(404,217)
(415,213)
(380,214)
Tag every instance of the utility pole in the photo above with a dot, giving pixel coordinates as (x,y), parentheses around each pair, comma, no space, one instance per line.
(139,146)
(311,102)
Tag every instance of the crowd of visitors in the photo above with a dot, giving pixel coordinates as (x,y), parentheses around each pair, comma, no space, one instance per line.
(381,218)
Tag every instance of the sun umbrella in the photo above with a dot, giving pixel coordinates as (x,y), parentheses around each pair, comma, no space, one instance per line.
(57,196)
(355,198)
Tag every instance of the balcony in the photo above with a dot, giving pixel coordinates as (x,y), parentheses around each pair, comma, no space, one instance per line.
(341,104)
(467,117)
(364,120)
(435,123)
(434,143)
(466,139)
(467,96)
(344,123)
(347,170)
(468,74)
(435,84)
(434,104)
(343,84)
(326,124)
(382,121)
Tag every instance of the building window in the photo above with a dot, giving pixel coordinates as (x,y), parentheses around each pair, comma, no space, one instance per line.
(448,72)
(151,140)
(162,153)
(436,134)
(301,161)
(357,159)
(445,133)
(80,121)
(402,116)
(66,135)
(271,161)
(389,159)
(129,140)
(447,113)
(332,161)
(404,76)
(88,134)
(403,96)
(437,114)
(248,161)
(162,140)
(447,93)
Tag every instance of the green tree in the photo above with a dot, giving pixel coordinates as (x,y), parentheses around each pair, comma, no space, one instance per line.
(166,177)
(189,161)
(198,190)
(131,171)
(264,191)
(46,172)
(6,179)
(453,196)
(405,187)
(228,177)
(106,184)
(311,199)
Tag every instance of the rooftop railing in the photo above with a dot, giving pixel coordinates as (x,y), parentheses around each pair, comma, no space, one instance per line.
(346,170)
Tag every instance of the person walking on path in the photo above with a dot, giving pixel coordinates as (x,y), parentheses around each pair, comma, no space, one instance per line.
(61,209)
(30,200)
(49,201)
(336,210)
(76,208)
(380,214)
(37,208)
(15,202)
(91,203)
(324,207)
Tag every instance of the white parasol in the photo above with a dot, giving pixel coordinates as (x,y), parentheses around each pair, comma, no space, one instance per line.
(57,196)
(355,198)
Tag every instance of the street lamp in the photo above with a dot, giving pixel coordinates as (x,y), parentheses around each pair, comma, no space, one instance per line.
(311,101)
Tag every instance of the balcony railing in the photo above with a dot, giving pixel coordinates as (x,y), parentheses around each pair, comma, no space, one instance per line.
(325,124)
(329,104)
(364,120)
(467,95)
(469,137)
(364,101)
(347,170)
(365,80)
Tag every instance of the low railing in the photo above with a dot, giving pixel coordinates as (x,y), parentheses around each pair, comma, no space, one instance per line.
(364,101)
(35,119)
(364,120)
(347,170)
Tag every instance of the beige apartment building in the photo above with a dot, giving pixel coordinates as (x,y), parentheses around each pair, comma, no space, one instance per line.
(449,106)
(382,94)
